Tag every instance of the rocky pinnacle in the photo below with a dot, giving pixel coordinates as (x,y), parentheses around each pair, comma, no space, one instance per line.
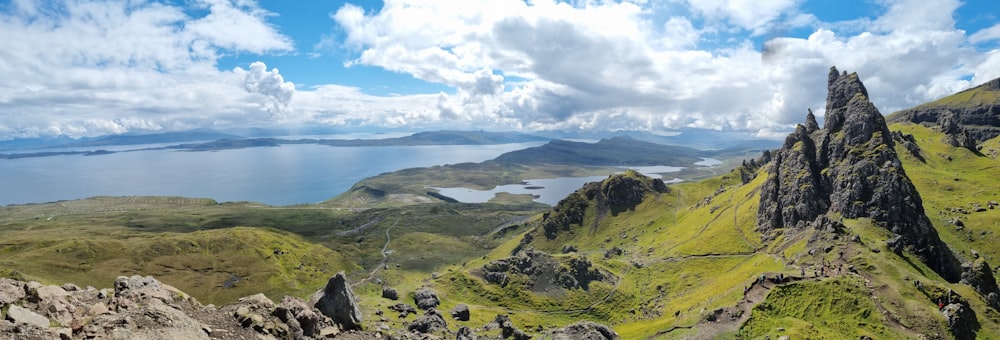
(850,167)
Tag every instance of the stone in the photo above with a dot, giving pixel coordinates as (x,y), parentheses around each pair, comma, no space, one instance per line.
(98,309)
(258,300)
(46,293)
(10,291)
(585,330)
(20,315)
(328,332)
(338,303)
(403,309)
(979,275)
(425,299)
(460,312)
(428,323)
(465,333)
(297,314)
(390,293)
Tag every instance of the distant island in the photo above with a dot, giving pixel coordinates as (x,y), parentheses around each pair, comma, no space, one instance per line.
(228,141)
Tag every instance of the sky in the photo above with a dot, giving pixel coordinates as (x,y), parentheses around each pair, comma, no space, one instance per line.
(95,67)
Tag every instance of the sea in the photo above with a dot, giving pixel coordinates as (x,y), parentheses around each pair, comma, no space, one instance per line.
(285,175)
(289,174)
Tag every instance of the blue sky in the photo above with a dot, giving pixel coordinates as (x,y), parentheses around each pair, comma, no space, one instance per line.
(85,68)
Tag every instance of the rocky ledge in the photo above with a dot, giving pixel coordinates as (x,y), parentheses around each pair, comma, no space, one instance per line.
(144,308)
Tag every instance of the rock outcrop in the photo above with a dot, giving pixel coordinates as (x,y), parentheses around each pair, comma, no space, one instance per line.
(617,193)
(850,167)
(337,301)
(974,113)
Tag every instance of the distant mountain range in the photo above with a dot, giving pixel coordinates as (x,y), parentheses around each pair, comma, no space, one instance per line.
(223,141)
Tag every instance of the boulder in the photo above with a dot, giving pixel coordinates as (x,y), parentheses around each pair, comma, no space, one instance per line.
(460,312)
(390,293)
(337,301)
(426,299)
(20,315)
(431,321)
(301,320)
(585,330)
(403,309)
(10,291)
(507,329)
(465,333)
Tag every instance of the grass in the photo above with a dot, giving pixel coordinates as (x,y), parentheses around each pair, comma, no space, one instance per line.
(956,178)
(198,245)
(828,309)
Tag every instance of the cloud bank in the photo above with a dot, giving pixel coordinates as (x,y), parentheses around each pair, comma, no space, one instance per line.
(78,68)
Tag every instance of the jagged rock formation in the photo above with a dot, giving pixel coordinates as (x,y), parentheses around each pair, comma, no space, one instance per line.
(850,167)
(337,301)
(974,113)
(545,273)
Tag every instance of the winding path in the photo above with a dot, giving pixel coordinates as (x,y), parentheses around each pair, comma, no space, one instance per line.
(385,258)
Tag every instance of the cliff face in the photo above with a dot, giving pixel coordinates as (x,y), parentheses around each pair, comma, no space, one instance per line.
(850,167)
(976,111)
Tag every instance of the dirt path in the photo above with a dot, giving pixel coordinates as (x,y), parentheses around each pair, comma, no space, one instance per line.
(729,319)
(385,258)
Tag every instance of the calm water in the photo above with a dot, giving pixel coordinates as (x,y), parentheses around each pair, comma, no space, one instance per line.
(549,191)
(290,174)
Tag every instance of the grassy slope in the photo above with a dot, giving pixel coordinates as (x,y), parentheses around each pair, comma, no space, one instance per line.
(697,248)
(951,177)
(196,245)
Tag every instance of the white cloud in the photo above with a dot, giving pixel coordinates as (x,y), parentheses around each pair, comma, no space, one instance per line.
(270,85)
(83,68)
(80,67)
(751,15)
(986,34)
(612,65)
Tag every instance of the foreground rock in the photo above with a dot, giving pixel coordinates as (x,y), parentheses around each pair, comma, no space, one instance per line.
(337,301)
(144,308)
(585,330)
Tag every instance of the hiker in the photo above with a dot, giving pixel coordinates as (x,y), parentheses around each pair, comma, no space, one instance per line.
(940,304)
(763,277)
(802,272)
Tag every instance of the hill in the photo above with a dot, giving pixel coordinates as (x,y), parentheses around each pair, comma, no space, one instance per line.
(614,151)
(976,110)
